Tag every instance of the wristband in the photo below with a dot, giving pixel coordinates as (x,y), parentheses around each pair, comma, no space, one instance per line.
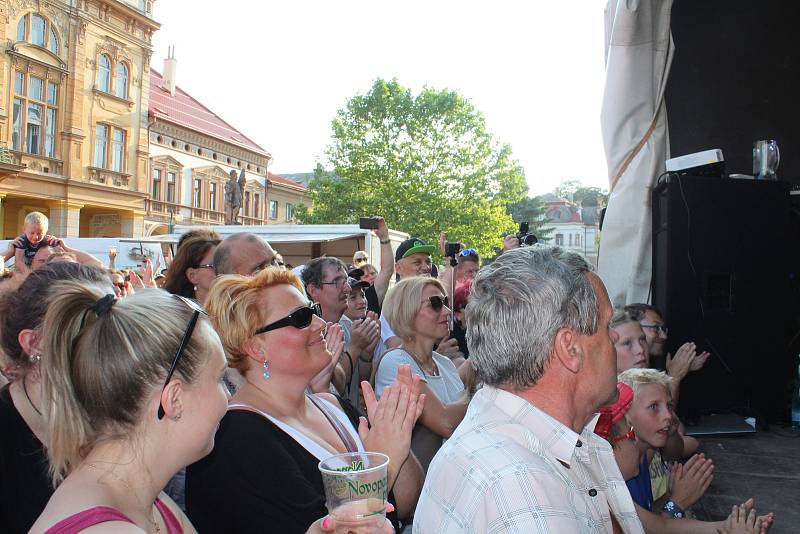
(386,242)
(673,509)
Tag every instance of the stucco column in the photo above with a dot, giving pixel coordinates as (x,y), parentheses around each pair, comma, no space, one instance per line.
(65,219)
(132,223)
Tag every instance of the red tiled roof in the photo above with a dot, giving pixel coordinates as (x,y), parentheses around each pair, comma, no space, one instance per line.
(280,180)
(184,110)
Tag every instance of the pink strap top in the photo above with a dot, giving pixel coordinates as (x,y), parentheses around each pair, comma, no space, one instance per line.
(103,514)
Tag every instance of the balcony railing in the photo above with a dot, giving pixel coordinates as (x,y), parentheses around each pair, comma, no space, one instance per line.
(209,216)
(250,221)
(37,163)
(109,177)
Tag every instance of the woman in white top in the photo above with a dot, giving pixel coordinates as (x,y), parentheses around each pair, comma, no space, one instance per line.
(417,310)
(264,468)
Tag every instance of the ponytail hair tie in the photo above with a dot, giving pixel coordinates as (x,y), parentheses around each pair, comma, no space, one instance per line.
(104,304)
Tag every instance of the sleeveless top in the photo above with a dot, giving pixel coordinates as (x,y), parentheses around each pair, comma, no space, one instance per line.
(103,514)
(639,486)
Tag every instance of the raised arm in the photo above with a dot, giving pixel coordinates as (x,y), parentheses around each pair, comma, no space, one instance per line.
(387,260)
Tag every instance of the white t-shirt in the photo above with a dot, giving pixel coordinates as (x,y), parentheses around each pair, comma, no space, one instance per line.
(448,387)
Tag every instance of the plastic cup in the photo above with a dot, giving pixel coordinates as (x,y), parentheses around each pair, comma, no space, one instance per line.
(356,489)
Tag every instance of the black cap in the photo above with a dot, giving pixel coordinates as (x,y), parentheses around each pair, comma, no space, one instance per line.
(413,246)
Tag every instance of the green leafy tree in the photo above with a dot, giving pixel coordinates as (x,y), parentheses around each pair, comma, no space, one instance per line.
(423,161)
(532,211)
(583,195)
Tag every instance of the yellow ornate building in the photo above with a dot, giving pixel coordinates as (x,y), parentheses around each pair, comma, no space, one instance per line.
(74,80)
(192,153)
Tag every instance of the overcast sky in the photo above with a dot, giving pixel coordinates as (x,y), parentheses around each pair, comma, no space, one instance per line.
(279,71)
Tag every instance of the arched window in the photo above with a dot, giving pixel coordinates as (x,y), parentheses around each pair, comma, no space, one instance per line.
(37,30)
(22,29)
(53,45)
(121,87)
(104,73)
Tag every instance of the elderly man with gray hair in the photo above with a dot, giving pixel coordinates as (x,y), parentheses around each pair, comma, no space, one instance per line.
(525,457)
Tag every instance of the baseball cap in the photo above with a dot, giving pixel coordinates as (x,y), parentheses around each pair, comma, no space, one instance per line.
(413,246)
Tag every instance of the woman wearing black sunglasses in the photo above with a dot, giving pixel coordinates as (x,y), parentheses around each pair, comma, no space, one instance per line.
(418,312)
(263,475)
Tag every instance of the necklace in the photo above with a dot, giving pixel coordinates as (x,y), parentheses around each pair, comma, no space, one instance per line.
(25,389)
(432,370)
(152,517)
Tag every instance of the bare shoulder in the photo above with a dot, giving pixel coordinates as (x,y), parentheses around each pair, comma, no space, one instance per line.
(179,514)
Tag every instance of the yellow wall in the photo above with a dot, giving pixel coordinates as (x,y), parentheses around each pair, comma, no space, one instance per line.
(93,27)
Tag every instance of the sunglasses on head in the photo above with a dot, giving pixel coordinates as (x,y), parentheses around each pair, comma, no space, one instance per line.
(187,335)
(299,318)
(438,302)
(468,252)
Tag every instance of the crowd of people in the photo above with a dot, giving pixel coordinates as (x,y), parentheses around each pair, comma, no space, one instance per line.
(509,397)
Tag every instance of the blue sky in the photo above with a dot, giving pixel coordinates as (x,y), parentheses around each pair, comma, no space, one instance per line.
(279,71)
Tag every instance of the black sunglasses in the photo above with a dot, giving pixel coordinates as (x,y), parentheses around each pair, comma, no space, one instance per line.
(299,318)
(187,335)
(438,302)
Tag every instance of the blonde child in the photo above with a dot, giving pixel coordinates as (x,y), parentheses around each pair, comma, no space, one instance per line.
(34,236)
(653,422)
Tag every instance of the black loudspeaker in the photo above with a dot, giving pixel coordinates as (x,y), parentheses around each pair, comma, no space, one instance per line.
(723,278)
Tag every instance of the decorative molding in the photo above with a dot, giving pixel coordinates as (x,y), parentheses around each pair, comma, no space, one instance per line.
(109,177)
(184,135)
(107,101)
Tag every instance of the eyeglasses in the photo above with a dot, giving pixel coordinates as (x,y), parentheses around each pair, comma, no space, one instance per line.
(337,283)
(468,252)
(119,285)
(205,266)
(299,318)
(187,335)
(438,302)
(360,260)
(657,327)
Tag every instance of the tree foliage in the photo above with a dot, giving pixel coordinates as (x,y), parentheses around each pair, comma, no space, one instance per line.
(583,195)
(423,161)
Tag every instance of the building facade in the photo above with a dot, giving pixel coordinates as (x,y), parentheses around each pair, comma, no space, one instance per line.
(572,227)
(74,80)
(192,153)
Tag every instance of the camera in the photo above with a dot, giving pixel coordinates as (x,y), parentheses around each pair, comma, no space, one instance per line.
(526,239)
(451,249)
(368,223)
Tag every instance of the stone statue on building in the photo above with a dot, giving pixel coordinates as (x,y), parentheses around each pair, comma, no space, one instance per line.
(234,192)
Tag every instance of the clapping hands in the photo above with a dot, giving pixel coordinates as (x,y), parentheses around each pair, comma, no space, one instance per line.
(686,359)
(392,419)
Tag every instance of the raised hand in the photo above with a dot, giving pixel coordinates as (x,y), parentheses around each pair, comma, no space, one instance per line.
(699,361)
(447,345)
(678,366)
(691,480)
(392,419)
(147,273)
(334,342)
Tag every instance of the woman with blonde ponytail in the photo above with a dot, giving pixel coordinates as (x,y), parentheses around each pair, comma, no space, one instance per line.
(25,486)
(131,392)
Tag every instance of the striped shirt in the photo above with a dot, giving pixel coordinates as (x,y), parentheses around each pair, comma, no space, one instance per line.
(511,468)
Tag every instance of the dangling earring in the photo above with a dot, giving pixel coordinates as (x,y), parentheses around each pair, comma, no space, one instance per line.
(35,358)
(266,370)
(195,289)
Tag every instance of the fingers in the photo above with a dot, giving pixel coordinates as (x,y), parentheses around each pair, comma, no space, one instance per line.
(370,400)
(363,428)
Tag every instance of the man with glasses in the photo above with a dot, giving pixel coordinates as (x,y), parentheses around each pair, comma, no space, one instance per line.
(243,253)
(327,284)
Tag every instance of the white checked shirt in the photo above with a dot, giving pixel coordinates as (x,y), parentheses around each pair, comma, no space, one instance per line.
(511,468)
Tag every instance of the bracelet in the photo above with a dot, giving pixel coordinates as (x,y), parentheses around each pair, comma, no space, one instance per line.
(673,509)
(385,242)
